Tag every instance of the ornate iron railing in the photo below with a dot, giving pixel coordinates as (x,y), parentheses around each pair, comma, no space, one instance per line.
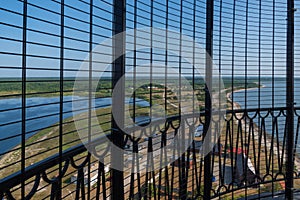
(247,161)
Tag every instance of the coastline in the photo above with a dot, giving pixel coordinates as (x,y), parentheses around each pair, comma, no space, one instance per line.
(229,94)
(236,106)
(268,142)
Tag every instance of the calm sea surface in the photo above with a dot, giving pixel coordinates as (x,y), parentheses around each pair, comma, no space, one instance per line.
(269,96)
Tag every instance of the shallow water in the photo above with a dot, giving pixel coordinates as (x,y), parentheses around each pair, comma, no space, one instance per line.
(41,112)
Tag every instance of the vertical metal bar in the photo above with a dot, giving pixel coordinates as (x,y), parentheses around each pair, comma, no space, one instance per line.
(61,97)
(290,99)
(232,85)
(195,183)
(246,81)
(208,81)
(118,99)
(221,179)
(151,61)
(23,137)
(167,182)
(90,93)
(273,91)
(182,178)
(151,103)
(134,60)
(259,89)
(166,57)
(194,55)
(246,56)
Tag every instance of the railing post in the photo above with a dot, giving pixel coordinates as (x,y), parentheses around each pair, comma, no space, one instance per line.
(208,81)
(290,100)
(118,98)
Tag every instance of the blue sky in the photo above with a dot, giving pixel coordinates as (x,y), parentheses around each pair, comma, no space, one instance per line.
(10,65)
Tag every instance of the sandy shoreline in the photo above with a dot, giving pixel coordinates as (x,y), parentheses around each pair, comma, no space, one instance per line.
(228,95)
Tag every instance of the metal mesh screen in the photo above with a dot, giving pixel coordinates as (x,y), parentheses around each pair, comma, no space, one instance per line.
(61,115)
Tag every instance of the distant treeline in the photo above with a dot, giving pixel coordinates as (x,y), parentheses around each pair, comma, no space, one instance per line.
(52,86)
(49,86)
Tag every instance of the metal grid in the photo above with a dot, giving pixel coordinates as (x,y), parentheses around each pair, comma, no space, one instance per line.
(248,41)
